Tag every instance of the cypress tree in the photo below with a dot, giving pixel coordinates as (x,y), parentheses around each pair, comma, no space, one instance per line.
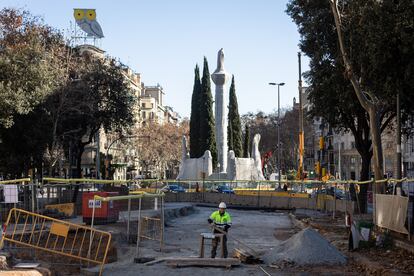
(230,138)
(195,151)
(246,142)
(234,130)
(207,124)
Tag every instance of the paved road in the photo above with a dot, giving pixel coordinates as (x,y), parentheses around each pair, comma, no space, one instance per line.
(255,228)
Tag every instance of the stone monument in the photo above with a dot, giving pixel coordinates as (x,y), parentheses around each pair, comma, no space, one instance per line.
(231,167)
(220,78)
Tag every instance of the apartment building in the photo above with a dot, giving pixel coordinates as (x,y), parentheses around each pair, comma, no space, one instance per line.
(340,157)
(118,157)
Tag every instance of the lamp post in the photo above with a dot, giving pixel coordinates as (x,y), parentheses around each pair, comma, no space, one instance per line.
(278,126)
(398,173)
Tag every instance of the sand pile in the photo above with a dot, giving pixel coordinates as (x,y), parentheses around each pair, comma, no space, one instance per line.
(307,247)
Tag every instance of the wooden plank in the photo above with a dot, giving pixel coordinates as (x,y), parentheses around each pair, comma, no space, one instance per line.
(159,260)
(239,254)
(245,256)
(203,262)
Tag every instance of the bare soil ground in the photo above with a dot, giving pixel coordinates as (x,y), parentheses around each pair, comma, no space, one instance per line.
(259,230)
(368,261)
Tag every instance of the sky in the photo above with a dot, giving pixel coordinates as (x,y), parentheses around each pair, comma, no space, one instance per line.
(163,40)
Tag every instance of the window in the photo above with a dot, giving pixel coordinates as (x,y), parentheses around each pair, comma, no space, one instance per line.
(342,145)
(352,160)
(143,115)
(352,145)
(143,105)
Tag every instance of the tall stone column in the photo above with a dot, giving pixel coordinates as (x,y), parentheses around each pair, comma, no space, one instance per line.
(220,78)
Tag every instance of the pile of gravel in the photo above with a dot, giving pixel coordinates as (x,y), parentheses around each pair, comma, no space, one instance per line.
(307,247)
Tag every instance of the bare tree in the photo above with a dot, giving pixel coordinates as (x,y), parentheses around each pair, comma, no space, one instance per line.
(161,150)
(367,100)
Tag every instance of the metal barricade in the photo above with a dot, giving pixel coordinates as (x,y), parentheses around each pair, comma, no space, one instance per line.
(57,237)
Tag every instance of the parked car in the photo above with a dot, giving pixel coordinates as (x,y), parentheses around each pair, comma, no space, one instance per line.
(338,193)
(174,188)
(225,189)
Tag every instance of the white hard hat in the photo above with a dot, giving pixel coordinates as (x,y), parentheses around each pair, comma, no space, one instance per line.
(222,205)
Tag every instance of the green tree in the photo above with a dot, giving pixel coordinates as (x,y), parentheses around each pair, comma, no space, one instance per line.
(53,101)
(234,130)
(32,66)
(100,97)
(195,151)
(24,143)
(246,142)
(376,36)
(207,123)
(230,138)
(30,63)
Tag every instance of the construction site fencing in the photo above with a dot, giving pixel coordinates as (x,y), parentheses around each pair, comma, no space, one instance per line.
(329,196)
(139,224)
(262,196)
(392,210)
(16,193)
(57,237)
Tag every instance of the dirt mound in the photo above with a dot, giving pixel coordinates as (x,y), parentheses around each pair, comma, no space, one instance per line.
(307,247)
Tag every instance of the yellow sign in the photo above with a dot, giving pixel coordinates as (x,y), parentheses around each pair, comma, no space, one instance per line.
(67,208)
(59,229)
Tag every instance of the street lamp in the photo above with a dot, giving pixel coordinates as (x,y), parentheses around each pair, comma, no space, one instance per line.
(278,126)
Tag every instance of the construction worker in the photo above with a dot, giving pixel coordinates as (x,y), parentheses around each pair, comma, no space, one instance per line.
(222,221)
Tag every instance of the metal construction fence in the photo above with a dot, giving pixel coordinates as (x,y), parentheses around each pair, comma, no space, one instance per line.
(332,195)
(149,223)
(81,243)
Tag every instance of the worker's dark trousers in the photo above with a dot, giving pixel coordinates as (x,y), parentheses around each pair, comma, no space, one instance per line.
(215,243)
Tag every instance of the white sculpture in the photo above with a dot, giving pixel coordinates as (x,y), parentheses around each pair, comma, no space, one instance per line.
(220,61)
(256,156)
(255,148)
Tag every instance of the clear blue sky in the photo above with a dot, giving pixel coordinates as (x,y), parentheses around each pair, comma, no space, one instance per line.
(164,39)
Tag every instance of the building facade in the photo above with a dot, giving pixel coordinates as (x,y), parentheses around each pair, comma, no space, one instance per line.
(339,156)
(118,158)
